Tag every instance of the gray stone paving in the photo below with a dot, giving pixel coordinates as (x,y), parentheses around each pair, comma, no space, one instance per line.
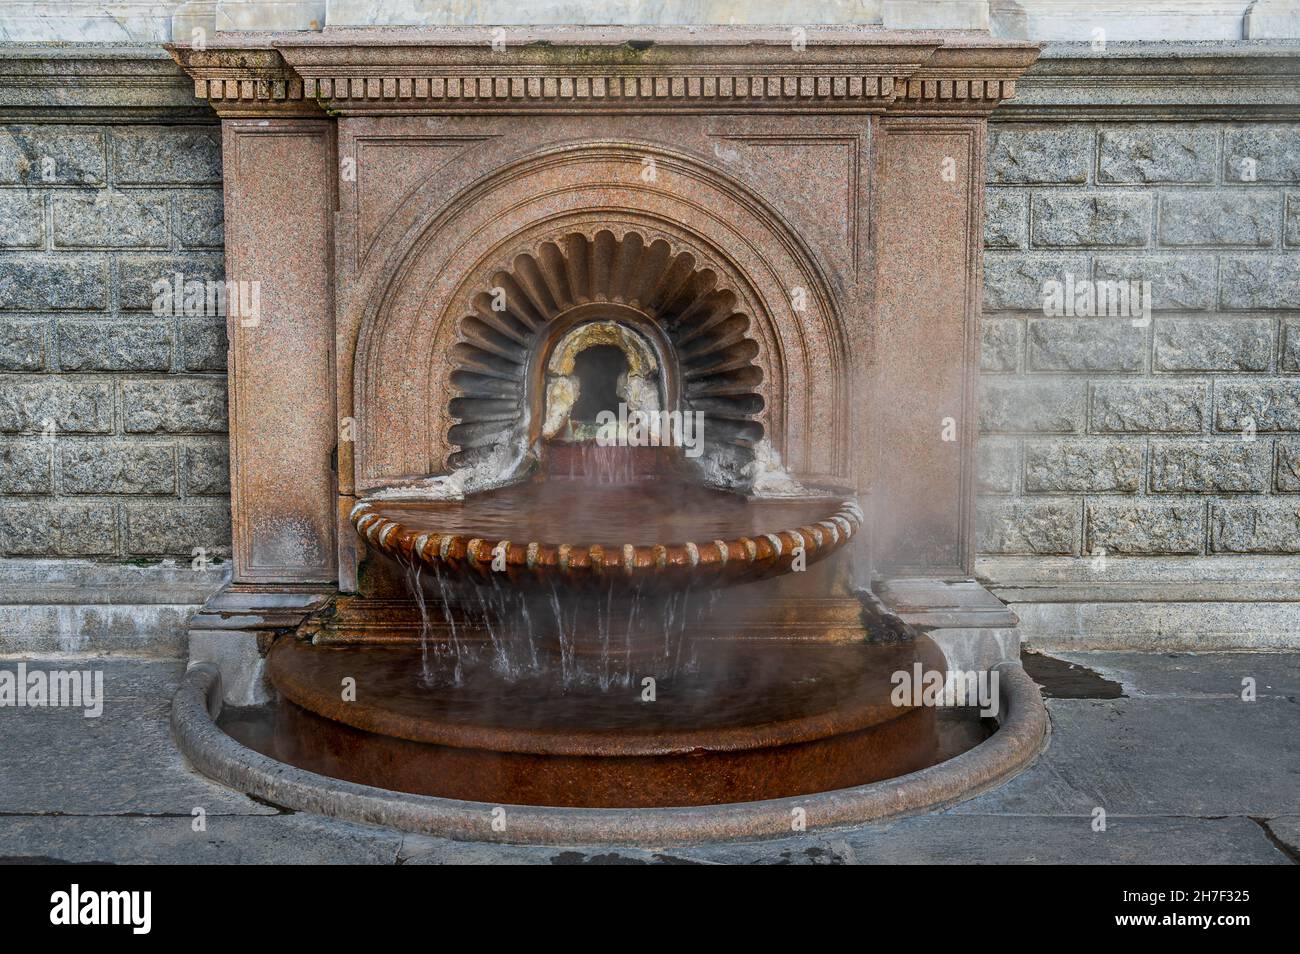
(56,761)
(1184,769)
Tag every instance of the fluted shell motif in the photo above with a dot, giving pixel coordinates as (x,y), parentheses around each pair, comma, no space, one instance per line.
(718,376)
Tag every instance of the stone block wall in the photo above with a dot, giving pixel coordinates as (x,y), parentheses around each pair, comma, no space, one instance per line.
(1174,438)
(1170,434)
(112,406)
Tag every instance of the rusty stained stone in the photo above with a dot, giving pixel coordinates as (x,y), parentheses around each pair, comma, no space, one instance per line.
(383,181)
(699,743)
(457,537)
(808,185)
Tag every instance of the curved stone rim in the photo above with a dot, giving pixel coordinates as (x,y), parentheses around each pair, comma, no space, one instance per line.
(1020,738)
(716,561)
(844,718)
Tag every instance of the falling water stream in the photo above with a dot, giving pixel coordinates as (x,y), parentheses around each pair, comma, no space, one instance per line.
(585,629)
(597,637)
(535,672)
(590,635)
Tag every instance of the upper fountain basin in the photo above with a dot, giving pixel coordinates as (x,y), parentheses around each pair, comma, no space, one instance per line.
(663,531)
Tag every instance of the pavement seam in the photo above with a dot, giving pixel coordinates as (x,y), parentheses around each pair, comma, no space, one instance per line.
(1278,843)
(1086,815)
(140,815)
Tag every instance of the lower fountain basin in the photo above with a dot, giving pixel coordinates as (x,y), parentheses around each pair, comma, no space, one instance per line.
(651,532)
(745,722)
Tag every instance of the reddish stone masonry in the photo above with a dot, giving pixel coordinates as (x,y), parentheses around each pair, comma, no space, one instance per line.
(377,180)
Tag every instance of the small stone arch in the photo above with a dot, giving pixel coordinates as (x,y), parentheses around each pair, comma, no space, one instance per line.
(701,336)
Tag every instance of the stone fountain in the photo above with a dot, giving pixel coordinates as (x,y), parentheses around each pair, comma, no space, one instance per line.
(606,384)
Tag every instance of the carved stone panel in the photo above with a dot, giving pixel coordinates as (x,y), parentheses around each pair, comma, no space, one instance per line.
(821,200)
(453,239)
(931,184)
(283,425)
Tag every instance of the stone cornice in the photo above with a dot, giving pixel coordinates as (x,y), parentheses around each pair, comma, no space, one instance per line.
(103,82)
(1235,80)
(716,69)
(250,81)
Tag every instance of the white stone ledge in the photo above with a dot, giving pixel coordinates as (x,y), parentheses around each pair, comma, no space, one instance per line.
(54,582)
(1105,21)
(1245,572)
(1266,19)
(152,629)
(1161,626)
(356,13)
(1151,603)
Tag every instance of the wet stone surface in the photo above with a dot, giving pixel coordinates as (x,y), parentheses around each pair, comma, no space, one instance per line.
(1061,679)
(1226,792)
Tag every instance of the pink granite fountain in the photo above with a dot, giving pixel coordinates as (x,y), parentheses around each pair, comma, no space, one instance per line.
(597,383)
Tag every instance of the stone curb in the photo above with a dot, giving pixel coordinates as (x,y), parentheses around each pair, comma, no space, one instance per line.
(1017,743)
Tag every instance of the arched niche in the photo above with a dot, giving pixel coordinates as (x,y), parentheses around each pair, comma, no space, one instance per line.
(407,347)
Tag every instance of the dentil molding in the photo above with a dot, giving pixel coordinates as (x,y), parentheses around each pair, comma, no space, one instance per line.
(729,69)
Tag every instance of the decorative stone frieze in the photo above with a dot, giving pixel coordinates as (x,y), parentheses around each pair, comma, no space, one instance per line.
(352,73)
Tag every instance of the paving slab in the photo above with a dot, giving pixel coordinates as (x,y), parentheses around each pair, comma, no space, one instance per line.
(1186,675)
(928,839)
(275,839)
(126,678)
(958,839)
(58,761)
(1159,756)
(425,850)
(1285,830)
(1183,767)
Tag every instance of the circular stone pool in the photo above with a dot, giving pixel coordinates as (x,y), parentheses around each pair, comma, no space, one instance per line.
(742,723)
